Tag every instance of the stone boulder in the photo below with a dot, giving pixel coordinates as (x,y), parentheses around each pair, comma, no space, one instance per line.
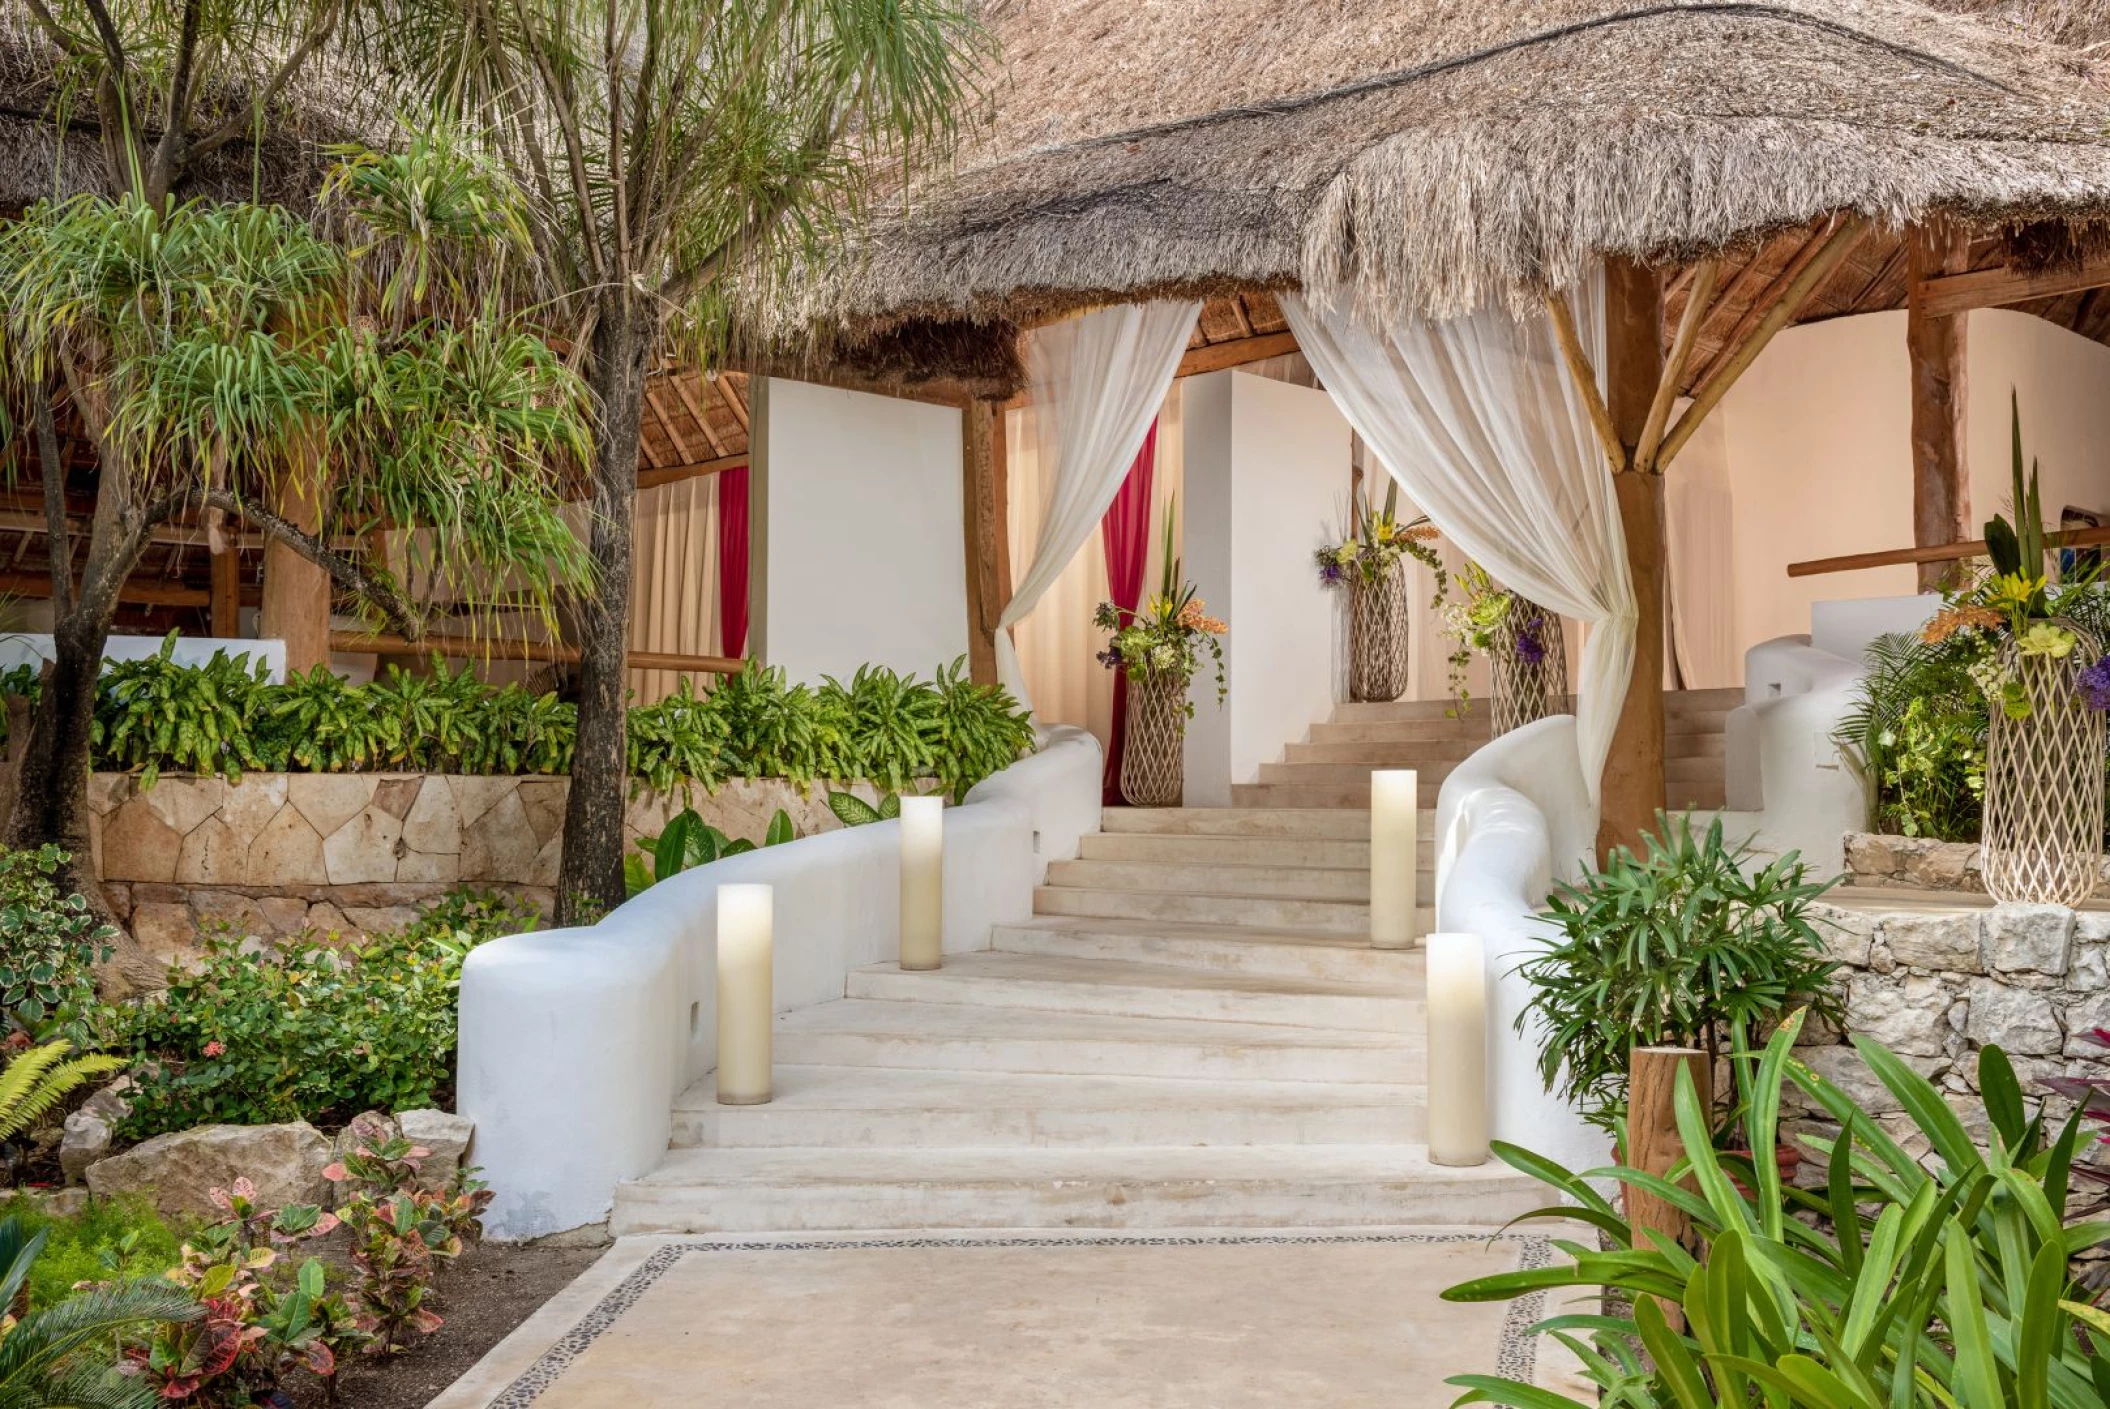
(179,1170)
(89,1130)
(445,1134)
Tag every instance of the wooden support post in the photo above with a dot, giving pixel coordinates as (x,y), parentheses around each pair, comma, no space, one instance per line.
(1633,786)
(1941,486)
(982,495)
(1652,1141)
(227,593)
(296,607)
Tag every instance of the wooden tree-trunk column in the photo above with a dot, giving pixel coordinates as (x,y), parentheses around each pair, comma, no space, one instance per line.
(1633,787)
(1653,1144)
(227,593)
(296,605)
(982,465)
(1941,488)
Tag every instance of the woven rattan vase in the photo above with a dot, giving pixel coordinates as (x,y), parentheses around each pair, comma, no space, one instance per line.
(1153,767)
(1377,635)
(1527,690)
(2043,835)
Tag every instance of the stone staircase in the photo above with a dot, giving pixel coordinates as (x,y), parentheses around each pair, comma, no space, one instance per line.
(1331,767)
(1191,1031)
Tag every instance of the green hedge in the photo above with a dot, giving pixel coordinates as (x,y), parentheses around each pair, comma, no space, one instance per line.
(224,717)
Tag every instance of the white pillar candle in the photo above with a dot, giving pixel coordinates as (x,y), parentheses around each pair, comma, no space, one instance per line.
(922,882)
(746,994)
(1457,1007)
(1395,855)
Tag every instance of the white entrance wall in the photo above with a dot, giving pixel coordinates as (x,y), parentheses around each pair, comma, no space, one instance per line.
(863,557)
(1816,437)
(1265,482)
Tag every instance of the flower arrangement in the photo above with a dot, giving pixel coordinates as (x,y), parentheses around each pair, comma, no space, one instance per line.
(1375,540)
(2018,602)
(1169,635)
(1475,621)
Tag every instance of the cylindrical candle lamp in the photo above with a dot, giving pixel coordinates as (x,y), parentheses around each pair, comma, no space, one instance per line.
(922,882)
(1395,855)
(745,993)
(1457,1006)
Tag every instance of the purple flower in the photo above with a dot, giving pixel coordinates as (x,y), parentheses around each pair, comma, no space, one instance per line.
(1110,658)
(2095,684)
(1331,574)
(1531,646)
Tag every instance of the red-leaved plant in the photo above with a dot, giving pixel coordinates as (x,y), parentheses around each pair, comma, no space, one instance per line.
(399,1229)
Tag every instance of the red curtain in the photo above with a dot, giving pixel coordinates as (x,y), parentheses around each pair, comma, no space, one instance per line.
(1126,533)
(732,561)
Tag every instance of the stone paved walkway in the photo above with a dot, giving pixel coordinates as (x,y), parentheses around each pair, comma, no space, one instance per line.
(1331,1320)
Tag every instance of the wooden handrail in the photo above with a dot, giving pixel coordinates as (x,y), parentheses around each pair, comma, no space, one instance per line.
(470,647)
(1938,553)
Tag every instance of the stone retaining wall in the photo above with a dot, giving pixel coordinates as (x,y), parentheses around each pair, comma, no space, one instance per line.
(349,852)
(1877,859)
(1936,985)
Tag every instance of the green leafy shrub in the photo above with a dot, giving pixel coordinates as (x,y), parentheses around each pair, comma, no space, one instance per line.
(853,811)
(1903,1283)
(155,716)
(889,723)
(60,1353)
(1688,945)
(1917,731)
(49,947)
(115,1239)
(980,730)
(687,840)
(678,741)
(306,1031)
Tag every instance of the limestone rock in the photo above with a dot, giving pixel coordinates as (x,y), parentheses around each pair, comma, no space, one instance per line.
(2015,1019)
(180,1169)
(2022,938)
(183,802)
(1934,941)
(500,844)
(1910,1016)
(1845,1069)
(2090,971)
(86,1140)
(1946,866)
(1848,935)
(1873,854)
(363,849)
(287,852)
(138,845)
(329,800)
(213,854)
(444,1133)
(2092,926)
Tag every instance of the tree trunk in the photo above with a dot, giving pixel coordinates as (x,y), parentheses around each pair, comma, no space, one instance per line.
(590,879)
(52,803)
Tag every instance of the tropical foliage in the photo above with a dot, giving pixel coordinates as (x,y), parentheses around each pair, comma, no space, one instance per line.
(50,943)
(310,1030)
(1917,730)
(1901,1282)
(687,840)
(60,1355)
(1689,944)
(225,717)
(1169,637)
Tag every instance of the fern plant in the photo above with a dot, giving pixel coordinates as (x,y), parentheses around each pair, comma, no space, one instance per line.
(35,1082)
(62,1356)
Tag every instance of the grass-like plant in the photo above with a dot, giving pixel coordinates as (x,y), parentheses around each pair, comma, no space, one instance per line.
(1689,944)
(1905,1282)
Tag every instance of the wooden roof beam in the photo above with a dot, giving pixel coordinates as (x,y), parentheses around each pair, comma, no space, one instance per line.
(1996,288)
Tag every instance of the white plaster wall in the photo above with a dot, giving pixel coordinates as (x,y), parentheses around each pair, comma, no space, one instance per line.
(865,560)
(1265,479)
(2062,381)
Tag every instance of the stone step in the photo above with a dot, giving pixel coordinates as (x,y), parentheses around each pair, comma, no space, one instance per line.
(850,1108)
(1281,953)
(1200,878)
(798,1189)
(955,1037)
(1389,753)
(1338,916)
(1046,984)
(1399,712)
(1430,774)
(1717,701)
(1351,799)
(1242,822)
(1471,731)
(1712,748)
(1206,850)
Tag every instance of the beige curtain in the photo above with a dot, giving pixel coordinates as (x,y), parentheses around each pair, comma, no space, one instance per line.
(1057,644)
(1702,550)
(674,581)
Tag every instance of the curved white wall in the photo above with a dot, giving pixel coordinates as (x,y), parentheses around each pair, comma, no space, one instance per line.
(574,1043)
(1511,820)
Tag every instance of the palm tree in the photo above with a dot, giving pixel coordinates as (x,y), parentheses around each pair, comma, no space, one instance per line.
(674,149)
(58,1357)
(224,358)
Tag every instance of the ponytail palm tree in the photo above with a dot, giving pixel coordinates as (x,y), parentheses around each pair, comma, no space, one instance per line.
(222,359)
(674,149)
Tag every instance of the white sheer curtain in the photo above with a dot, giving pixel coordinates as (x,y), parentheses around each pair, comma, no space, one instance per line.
(1480,422)
(1095,381)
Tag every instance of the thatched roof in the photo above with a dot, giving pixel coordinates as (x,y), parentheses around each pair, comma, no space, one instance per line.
(1435,155)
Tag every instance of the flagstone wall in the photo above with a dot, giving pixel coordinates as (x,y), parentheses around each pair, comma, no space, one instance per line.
(349,853)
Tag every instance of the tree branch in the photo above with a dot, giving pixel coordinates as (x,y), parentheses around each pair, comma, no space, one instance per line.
(168,152)
(53,464)
(66,39)
(235,126)
(347,574)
